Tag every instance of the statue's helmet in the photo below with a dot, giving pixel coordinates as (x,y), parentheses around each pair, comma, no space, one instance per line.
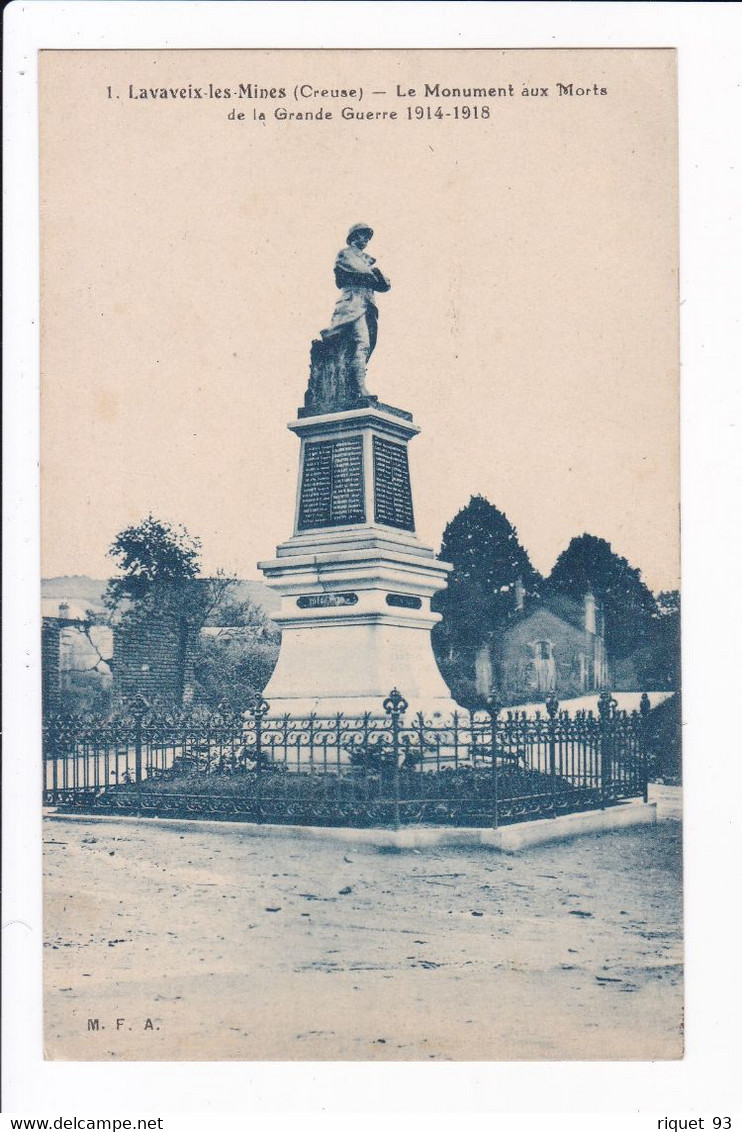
(359,228)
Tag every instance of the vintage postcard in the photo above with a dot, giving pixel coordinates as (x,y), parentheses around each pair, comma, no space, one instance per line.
(360,587)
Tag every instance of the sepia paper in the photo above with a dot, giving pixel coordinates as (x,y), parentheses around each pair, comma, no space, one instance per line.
(524,205)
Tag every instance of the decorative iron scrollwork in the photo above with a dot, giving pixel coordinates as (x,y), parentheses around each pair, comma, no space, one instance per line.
(476,768)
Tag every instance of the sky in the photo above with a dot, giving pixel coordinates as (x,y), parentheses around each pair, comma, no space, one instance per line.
(187,258)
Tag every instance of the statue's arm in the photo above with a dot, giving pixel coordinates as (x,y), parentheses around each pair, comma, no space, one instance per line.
(382,283)
(349,274)
(373,278)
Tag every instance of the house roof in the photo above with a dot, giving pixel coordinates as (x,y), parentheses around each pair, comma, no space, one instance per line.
(77,611)
(566,609)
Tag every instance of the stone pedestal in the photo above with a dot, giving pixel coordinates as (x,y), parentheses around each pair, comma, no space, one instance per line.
(354,579)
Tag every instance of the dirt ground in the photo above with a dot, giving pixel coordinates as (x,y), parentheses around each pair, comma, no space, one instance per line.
(215,946)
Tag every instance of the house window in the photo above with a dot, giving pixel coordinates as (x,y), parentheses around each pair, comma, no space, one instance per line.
(543,650)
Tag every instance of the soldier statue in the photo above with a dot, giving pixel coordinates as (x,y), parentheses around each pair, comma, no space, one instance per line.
(339,357)
(356,314)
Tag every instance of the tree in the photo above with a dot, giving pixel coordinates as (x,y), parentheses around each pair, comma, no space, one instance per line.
(657,665)
(232,612)
(589,564)
(488,561)
(233,667)
(668,603)
(156,558)
(159,595)
(236,655)
(161,565)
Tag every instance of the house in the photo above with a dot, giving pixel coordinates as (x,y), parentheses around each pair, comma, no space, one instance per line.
(75,657)
(84,665)
(554,644)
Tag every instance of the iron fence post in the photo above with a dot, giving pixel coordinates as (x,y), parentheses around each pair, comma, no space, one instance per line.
(606,706)
(139,708)
(258,710)
(644,709)
(494,708)
(552,707)
(395,705)
(53,748)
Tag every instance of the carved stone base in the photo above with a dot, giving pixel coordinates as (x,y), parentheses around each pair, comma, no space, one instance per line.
(370,402)
(336,377)
(356,623)
(355,581)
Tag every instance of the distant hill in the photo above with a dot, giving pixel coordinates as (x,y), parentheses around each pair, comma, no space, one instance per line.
(258,593)
(76,587)
(81,590)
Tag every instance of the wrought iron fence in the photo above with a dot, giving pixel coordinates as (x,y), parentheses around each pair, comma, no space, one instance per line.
(484,768)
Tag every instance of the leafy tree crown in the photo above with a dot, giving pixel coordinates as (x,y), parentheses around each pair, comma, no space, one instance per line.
(488,561)
(152,554)
(590,565)
(483,546)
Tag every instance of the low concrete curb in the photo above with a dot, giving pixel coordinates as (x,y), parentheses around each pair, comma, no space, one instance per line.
(511,838)
(506,839)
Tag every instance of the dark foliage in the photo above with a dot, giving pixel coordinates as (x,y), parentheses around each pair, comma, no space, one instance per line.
(659,665)
(160,596)
(664,740)
(456,673)
(155,558)
(488,560)
(589,564)
(235,666)
(361,797)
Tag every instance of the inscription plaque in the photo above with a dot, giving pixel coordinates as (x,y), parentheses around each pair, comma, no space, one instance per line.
(392,492)
(332,483)
(404,601)
(326,601)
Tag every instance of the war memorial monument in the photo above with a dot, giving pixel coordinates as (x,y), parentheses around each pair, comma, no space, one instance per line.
(355,581)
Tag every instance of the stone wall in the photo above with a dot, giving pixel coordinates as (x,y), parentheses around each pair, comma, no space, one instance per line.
(50,665)
(154,659)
